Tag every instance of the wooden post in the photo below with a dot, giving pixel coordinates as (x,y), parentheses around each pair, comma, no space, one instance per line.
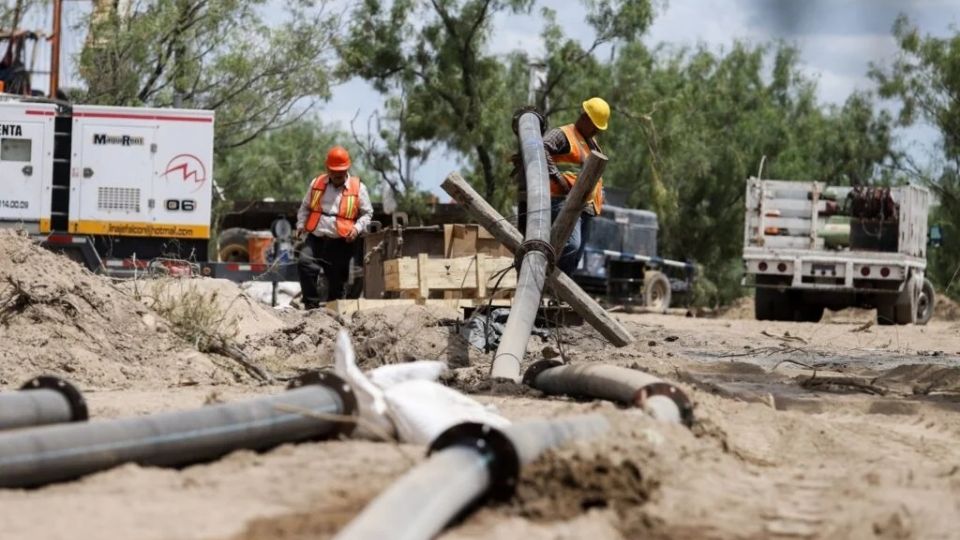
(509,236)
(55,48)
(576,199)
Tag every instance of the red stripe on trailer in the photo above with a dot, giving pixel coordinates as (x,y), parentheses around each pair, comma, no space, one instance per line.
(60,239)
(122,116)
(33,112)
(258,267)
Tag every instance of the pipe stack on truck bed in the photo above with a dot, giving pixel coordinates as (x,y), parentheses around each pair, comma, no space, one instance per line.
(309,410)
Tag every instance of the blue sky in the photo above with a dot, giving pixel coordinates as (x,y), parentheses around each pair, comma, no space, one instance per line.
(837,39)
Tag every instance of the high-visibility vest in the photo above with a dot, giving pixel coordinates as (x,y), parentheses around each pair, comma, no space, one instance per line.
(349,204)
(570,164)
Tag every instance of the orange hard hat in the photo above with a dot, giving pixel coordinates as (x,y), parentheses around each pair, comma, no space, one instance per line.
(338,159)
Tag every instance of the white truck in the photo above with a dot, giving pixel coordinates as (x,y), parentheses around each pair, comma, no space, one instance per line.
(807,246)
(120,189)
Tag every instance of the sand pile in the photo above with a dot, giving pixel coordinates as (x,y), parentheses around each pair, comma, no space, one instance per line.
(946,309)
(58,318)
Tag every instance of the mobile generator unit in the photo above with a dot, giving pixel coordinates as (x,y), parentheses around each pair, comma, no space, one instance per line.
(807,247)
(116,188)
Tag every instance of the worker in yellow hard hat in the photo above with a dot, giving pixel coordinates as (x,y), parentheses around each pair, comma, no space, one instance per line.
(567,149)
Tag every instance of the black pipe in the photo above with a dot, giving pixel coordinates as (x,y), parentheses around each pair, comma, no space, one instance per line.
(310,409)
(40,401)
(659,398)
(467,462)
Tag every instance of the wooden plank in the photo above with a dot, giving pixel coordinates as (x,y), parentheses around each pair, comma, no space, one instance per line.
(566,288)
(425,274)
(345,307)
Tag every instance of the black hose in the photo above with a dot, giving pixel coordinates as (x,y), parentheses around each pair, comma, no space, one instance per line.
(43,400)
(311,409)
(659,398)
(467,462)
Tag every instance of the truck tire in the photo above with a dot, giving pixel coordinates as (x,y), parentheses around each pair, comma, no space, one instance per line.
(233,245)
(810,313)
(656,291)
(886,314)
(763,300)
(926,303)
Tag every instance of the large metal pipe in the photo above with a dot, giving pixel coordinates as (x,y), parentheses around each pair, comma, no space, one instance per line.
(42,400)
(532,255)
(37,456)
(659,398)
(467,462)
(510,237)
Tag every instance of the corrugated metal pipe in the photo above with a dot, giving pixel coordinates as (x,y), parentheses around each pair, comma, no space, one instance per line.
(660,399)
(535,255)
(466,463)
(40,401)
(311,408)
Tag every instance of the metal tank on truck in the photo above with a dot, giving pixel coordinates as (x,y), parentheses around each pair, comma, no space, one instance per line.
(808,246)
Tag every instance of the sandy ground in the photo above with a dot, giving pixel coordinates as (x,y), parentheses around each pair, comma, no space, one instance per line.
(834,430)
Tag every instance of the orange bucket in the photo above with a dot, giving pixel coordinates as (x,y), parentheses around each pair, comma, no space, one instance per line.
(258,245)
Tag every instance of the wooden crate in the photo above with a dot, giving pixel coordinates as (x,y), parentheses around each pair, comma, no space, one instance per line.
(469,277)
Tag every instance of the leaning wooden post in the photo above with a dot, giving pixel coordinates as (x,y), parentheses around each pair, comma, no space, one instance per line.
(509,236)
(576,199)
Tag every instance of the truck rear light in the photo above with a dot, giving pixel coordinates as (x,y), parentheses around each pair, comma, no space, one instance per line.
(884,272)
(782,267)
(762,266)
(865,271)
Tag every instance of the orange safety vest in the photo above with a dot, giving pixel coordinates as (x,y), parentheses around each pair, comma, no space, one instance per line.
(349,204)
(570,164)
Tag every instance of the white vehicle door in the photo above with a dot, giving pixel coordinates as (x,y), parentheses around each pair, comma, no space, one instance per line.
(21,168)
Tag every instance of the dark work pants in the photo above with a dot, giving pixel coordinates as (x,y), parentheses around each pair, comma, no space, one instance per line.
(330,255)
(569,256)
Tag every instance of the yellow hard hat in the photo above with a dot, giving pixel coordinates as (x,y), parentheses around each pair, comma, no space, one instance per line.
(598,111)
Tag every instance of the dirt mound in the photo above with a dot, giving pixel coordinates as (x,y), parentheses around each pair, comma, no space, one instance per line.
(921,379)
(946,309)
(304,343)
(403,334)
(741,308)
(58,318)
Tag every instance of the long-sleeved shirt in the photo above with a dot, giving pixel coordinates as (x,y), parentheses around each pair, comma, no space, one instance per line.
(330,207)
(556,144)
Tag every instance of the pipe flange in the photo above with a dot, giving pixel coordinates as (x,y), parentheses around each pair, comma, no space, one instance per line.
(535,245)
(667,390)
(538,367)
(334,382)
(515,124)
(78,405)
(504,462)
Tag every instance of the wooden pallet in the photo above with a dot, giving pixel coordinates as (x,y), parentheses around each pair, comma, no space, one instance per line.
(345,307)
(467,277)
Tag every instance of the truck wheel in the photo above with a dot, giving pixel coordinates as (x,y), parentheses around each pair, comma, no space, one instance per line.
(656,292)
(810,313)
(906,307)
(763,304)
(926,303)
(886,314)
(233,245)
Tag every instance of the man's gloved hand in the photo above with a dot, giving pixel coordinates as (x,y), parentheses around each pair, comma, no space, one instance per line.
(352,235)
(299,234)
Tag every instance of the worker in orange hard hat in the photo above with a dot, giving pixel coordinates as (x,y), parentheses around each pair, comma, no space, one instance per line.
(333,214)
(567,148)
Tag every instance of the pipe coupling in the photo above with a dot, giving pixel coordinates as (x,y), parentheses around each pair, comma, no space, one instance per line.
(535,245)
(503,461)
(78,405)
(334,383)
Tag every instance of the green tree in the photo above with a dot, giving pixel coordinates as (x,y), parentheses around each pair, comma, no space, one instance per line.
(220,55)
(925,79)
(281,163)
